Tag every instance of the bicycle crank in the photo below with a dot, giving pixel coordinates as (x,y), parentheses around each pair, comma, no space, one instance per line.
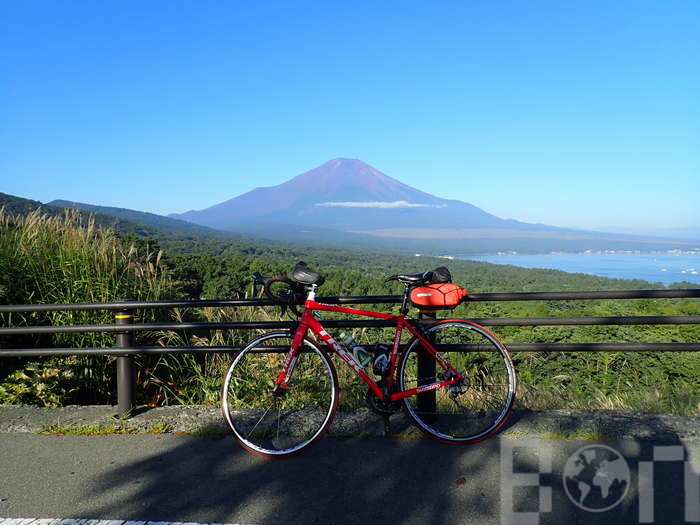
(380,406)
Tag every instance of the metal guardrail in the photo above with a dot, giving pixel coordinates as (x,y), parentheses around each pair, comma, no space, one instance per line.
(360,299)
(124,327)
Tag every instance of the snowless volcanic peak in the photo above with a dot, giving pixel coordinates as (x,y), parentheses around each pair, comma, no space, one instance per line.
(344,194)
(358,180)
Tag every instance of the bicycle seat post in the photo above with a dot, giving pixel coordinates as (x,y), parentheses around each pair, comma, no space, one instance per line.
(404,302)
(312,292)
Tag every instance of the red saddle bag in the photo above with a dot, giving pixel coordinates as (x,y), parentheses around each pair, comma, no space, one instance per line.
(437,296)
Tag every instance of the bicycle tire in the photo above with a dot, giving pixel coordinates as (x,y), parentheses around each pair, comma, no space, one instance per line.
(277,426)
(475,408)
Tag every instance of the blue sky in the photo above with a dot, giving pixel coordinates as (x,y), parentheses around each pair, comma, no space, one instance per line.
(571,113)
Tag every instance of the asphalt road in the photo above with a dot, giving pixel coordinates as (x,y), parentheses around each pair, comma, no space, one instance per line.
(206,479)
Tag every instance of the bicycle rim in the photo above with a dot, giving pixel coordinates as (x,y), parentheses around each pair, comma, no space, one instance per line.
(274,426)
(472,409)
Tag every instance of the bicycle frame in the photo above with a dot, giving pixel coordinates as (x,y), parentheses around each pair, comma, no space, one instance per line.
(309,322)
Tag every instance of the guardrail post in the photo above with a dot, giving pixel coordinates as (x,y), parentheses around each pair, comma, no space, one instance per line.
(125,366)
(426,371)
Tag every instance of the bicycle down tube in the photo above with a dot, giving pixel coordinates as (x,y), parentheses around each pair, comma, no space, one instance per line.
(309,322)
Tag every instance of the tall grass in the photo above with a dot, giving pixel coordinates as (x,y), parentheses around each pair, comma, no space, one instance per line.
(66,259)
(195,378)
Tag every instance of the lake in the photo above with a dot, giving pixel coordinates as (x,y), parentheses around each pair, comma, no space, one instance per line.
(663,267)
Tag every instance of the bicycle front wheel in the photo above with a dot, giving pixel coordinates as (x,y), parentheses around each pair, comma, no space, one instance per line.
(278,425)
(471,409)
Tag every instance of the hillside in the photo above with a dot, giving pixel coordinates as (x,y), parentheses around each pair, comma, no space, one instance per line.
(151,220)
(174,234)
(22,206)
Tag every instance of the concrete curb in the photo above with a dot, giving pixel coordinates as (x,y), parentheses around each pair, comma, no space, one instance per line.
(208,420)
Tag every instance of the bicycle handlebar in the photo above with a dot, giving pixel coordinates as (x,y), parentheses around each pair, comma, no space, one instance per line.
(285,297)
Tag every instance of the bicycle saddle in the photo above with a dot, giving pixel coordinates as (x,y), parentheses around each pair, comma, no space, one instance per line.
(305,275)
(414,278)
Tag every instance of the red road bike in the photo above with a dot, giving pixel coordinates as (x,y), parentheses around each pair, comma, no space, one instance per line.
(454,378)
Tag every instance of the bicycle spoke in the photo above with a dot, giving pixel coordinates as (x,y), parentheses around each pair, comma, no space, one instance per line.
(259,420)
(279,417)
(495,402)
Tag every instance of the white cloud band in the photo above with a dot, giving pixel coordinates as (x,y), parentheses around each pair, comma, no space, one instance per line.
(378,204)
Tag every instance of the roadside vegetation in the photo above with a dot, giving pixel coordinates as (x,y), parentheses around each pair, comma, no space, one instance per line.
(67,258)
(101,429)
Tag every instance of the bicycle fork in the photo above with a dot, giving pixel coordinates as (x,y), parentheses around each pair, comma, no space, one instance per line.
(282,381)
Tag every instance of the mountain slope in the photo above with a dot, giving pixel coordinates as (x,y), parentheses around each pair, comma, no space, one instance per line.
(21,206)
(345,194)
(18,205)
(152,220)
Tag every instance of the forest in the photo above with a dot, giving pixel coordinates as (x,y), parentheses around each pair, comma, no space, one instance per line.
(73,256)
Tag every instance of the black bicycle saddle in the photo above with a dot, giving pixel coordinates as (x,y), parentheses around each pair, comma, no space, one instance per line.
(305,275)
(413,278)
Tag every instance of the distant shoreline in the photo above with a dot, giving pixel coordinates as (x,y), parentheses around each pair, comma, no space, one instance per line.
(665,267)
(695,251)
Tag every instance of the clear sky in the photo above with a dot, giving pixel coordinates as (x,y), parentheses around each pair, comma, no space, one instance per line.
(571,113)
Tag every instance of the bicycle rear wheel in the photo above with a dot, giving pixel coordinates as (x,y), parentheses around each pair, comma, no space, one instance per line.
(273,426)
(471,409)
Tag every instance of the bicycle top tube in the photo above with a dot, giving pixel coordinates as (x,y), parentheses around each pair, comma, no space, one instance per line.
(312,305)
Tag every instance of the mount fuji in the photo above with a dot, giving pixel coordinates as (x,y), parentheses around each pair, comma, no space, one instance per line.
(352,196)
(348,203)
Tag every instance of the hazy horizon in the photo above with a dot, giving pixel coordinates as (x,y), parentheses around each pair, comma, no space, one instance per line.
(683,232)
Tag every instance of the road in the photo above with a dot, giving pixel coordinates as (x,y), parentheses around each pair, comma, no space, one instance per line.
(182,478)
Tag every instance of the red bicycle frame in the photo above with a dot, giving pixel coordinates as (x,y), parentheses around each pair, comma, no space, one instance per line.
(309,322)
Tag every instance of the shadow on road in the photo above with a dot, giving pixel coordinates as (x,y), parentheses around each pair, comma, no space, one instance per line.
(352,480)
(336,481)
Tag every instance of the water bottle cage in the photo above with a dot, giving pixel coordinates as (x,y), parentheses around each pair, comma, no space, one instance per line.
(361,355)
(381,364)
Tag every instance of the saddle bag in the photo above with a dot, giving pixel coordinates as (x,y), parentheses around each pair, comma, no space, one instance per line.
(439,296)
